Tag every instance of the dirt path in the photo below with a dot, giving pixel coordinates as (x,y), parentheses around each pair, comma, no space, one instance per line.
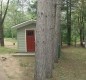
(11,67)
(71,66)
(3,75)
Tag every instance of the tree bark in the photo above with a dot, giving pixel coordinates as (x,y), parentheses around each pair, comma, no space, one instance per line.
(40,70)
(68,22)
(2,18)
(49,39)
(57,37)
(45,29)
(1,36)
(53,30)
(81,37)
(81,21)
(85,37)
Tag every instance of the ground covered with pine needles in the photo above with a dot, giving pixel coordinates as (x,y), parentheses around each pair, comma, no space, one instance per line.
(71,66)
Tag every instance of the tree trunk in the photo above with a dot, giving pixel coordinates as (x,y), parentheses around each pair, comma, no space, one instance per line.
(81,29)
(1,35)
(69,22)
(49,39)
(85,37)
(53,30)
(40,70)
(81,37)
(2,18)
(81,23)
(57,37)
(1,32)
(75,41)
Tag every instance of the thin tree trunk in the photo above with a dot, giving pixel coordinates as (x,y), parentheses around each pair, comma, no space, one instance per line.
(57,36)
(75,41)
(69,22)
(85,37)
(1,32)
(81,38)
(1,36)
(81,21)
(2,18)
(53,33)
(81,30)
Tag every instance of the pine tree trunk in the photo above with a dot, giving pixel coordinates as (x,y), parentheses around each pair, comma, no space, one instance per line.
(53,32)
(81,29)
(81,37)
(40,70)
(85,37)
(49,39)
(75,41)
(57,37)
(69,22)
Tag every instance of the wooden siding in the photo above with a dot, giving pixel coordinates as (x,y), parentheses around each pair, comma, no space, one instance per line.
(21,37)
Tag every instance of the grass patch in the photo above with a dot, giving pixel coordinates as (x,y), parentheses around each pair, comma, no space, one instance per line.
(77,53)
(72,64)
(7,50)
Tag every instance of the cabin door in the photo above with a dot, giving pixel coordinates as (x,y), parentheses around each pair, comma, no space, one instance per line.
(30,40)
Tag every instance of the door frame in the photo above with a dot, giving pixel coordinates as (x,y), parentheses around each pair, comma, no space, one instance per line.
(26,36)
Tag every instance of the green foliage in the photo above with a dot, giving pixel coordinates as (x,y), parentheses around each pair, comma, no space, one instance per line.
(32,9)
(19,11)
(23,10)
(78,11)
(6,50)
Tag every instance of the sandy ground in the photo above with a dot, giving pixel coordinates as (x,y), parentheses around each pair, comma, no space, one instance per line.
(71,65)
(11,67)
(18,68)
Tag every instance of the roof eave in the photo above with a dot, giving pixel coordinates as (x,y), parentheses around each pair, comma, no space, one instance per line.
(23,24)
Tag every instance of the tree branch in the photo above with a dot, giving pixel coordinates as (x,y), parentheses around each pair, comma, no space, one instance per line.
(1,8)
(5,12)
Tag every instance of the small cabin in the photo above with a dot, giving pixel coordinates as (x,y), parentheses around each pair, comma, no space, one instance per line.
(26,36)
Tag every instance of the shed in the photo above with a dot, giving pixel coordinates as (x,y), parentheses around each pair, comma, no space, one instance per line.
(26,36)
